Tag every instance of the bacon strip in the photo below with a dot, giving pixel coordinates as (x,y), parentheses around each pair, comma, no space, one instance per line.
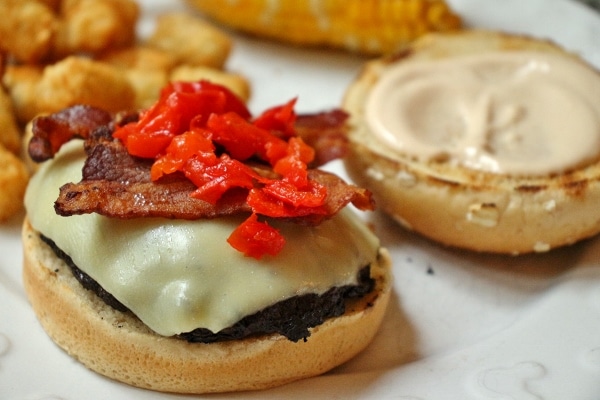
(142,199)
(326,133)
(52,131)
(172,199)
(117,185)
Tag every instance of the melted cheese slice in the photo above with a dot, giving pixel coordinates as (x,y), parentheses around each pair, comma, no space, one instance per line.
(178,275)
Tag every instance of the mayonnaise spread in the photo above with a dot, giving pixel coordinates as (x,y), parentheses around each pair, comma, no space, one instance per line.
(520,112)
(178,275)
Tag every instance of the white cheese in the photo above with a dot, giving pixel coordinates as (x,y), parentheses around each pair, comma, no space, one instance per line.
(180,275)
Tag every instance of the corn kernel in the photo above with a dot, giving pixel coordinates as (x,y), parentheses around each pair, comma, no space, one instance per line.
(367,26)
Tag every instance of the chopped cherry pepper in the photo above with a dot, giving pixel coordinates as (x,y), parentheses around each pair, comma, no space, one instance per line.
(214,180)
(279,119)
(241,138)
(192,144)
(204,131)
(255,238)
(178,104)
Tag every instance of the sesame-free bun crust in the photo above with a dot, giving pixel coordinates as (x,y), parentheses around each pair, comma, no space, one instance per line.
(464,208)
(119,346)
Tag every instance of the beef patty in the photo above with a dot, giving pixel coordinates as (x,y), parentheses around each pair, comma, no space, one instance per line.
(291,318)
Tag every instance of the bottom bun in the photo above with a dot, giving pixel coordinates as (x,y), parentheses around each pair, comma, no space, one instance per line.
(121,347)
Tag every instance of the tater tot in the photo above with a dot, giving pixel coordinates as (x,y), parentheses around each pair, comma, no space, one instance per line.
(27,29)
(13,181)
(146,68)
(52,4)
(21,82)
(93,26)
(78,80)
(147,85)
(234,82)
(191,40)
(10,135)
(140,58)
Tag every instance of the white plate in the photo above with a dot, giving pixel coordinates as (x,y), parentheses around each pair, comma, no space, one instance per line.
(460,326)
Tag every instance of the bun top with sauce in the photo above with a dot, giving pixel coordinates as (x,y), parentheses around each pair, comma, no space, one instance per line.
(480,140)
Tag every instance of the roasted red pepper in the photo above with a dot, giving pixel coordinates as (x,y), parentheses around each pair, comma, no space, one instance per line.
(280,120)
(255,238)
(214,180)
(179,103)
(193,144)
(205,132)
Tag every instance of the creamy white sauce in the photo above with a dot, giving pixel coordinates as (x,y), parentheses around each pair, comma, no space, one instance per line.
(180,275)
(503,112)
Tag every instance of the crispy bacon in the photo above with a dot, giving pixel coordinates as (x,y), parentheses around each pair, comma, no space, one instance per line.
(326,133)
(117,185)
(143,199)
(52,131)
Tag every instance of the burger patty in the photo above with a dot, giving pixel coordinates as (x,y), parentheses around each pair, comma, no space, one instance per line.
(291,318)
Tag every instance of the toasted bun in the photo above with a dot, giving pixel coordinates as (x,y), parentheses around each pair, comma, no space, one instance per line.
(459,207)
(119,346)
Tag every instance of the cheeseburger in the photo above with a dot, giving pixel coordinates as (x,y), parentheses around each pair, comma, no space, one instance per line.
(193,248)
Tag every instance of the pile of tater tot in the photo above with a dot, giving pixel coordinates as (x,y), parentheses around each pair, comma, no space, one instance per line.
(58,53)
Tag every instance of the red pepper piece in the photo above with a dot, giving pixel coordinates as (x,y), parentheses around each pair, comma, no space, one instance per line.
(283,200)
(214,180)
(231,101)
(172,114)
(141,144)
(255,238)
(293,166)
(280,119)
(240,138)
(191,144)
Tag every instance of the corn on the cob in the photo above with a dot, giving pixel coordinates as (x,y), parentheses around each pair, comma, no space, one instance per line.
(365,26)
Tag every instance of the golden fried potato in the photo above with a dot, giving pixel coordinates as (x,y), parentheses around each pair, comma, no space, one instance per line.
(93,26)
(147,85)
(234,82)
(191,40)
(27,29)
(10,136)
(13,181)
(146,68)
(52,4)
(140,58)
(79,80)
(21,83)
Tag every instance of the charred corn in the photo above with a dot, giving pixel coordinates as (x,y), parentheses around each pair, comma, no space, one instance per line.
(364,26)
